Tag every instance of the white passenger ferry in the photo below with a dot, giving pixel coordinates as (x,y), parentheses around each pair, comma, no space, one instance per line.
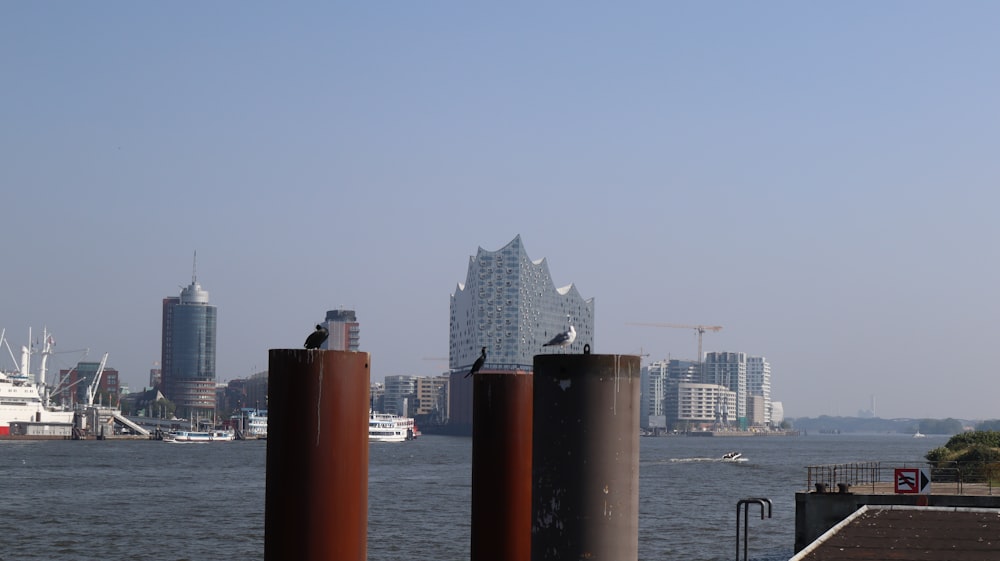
(199,436)
(384,427)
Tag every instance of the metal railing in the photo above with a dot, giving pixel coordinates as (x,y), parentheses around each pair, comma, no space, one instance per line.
(853,474)
(879,478)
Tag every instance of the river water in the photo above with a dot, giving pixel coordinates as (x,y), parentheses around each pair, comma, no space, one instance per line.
(151,501)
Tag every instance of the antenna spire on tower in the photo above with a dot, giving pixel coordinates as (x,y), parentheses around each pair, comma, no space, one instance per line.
(194,269)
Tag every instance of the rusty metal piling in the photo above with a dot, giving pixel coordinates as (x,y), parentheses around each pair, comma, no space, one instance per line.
(316,499)
(585,457)
(501,466)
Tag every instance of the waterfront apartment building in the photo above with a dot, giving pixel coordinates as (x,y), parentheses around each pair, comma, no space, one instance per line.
(777,413)
(759,385)
(677,371)
(509,305)
(400,395)
(756,411)
(659,396)
(187,355)
(654,390)
(345,331)
(729,370)
(742,397)
(432,396)
(704,406)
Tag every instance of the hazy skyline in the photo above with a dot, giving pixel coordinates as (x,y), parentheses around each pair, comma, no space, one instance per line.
(818,179)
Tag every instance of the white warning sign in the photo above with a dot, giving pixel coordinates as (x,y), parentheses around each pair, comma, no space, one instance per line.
(913,480)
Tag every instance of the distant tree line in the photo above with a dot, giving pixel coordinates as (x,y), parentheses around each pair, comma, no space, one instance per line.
(827,423)
(941,426)
(988,426)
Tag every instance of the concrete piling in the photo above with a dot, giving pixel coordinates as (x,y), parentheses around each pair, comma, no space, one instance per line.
(585,457)
(316,498)
(501,466)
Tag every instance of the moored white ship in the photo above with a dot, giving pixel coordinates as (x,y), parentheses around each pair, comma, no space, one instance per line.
(257,423)
(199,436)
(23,399)
(385,427)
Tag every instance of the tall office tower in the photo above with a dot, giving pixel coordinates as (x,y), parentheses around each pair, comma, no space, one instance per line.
(187,360)
(730,371)
(345,331)
(759,384)
(510,305)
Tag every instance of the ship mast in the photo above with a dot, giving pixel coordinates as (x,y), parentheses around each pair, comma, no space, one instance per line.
(26,358)
(46,351)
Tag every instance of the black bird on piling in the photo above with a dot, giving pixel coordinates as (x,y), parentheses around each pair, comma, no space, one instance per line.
(316,338)
(478,364)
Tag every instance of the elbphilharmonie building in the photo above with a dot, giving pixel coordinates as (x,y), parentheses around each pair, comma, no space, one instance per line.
(510,305)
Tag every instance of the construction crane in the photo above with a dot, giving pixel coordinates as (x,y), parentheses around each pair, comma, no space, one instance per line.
(701,329)
(96,382)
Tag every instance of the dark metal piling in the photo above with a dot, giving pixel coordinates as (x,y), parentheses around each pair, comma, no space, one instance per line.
(501,466)
(585,457)
(316,500)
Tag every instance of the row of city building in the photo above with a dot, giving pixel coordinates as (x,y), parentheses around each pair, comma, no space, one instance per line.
(508,304)
(728,390)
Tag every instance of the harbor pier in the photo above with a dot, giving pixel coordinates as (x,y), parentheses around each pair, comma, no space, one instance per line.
(835,492)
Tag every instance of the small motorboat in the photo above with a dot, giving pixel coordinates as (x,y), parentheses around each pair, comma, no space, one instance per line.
(731,456)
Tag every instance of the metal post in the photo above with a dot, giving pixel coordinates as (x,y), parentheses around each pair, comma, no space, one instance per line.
(585,457)
(501,466)
(316,499)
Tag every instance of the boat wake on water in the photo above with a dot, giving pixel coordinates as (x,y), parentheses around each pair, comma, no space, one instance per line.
(731,457)
(720,460)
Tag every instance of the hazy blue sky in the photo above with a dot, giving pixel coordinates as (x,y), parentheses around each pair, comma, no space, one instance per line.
(818,178)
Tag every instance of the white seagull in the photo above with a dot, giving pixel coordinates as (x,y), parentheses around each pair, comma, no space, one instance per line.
(564,339)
